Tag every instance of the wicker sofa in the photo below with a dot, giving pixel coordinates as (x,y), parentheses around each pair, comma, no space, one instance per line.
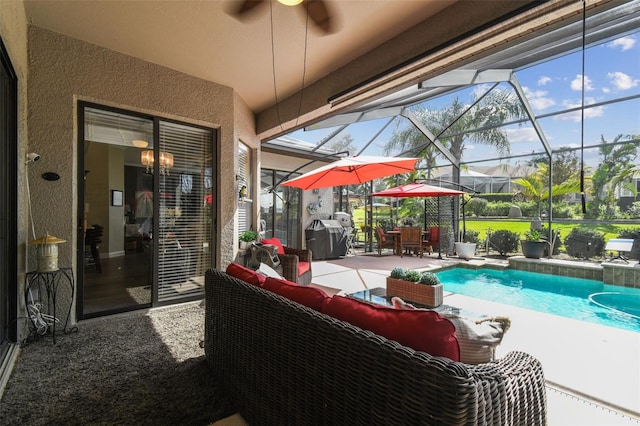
(284,363)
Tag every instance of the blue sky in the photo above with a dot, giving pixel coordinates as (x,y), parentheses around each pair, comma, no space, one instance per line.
(612,71)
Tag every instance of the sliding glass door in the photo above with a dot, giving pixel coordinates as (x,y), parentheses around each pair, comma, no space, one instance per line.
(146,208)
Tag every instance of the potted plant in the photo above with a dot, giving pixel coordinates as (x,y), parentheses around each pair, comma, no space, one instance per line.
(533,244)
(466,249)
(414,286)
(246,238)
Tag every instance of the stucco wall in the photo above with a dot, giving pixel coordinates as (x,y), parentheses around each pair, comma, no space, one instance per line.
(64,70)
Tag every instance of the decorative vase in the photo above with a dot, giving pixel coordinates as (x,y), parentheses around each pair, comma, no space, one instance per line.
(244,245)
(533,249)
(465,250)
(430,295)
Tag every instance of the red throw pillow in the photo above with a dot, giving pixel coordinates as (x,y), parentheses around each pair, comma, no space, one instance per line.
(310,297)
(424,331)
(245,274)
(274,241)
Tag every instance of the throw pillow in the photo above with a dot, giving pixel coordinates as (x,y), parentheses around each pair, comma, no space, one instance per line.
(274,241)
(268,271)
(245,274)
(398,325)
(311,297)
(478,339)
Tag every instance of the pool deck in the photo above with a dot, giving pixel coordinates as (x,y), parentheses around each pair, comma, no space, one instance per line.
(592,371)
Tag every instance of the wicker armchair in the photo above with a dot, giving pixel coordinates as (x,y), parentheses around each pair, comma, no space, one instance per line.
(294,265)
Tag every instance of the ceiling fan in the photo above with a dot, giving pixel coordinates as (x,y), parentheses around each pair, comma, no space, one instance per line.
(318,11)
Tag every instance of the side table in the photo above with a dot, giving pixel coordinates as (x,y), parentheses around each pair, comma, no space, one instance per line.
(44,315)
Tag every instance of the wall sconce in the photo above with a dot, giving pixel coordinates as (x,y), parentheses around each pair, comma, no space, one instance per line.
(166,161)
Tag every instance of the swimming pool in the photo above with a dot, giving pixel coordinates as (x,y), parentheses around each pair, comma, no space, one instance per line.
(564,296)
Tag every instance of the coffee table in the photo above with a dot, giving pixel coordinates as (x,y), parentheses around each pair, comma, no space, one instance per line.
(378,296)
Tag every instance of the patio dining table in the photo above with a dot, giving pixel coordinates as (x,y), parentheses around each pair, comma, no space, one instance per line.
(395,234)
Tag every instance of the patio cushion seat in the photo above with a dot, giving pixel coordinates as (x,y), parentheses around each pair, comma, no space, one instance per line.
(438,338)
(246,274)
(311,297)
(303,267)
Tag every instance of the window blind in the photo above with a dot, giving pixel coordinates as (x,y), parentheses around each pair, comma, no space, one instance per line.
(185,209)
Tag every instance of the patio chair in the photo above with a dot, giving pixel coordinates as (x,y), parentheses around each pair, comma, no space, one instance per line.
(411,239)
(432,239)
(384,241)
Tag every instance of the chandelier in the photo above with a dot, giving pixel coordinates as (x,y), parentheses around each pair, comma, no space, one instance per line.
(166,161)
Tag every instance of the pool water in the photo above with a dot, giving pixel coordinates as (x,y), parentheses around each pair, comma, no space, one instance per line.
(564,296)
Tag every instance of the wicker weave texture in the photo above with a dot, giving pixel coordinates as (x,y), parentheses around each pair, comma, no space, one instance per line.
(289,261)
(286,364)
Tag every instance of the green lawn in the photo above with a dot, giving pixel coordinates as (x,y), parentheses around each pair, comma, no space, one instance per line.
(520,227)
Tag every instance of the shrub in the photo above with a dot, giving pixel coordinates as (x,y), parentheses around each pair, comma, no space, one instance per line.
(584,243)
(632,234)
(429,278)
(504,241)
(476,206)
(397,273)
(412,275)
(563,211)
(470,236)
(498,208)
(634,210)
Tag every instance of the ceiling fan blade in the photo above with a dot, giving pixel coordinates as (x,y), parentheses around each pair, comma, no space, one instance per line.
(239,9)
(321,16)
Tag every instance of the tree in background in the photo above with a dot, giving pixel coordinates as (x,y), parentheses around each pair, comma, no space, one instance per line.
(345,143)
(536,185)
(566,167)
(616,170)
(480,125)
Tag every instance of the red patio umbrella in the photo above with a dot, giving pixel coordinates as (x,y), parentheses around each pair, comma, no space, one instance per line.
(417,189)
(351,171)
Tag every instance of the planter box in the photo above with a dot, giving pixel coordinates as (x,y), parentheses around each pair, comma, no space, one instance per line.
(430,295)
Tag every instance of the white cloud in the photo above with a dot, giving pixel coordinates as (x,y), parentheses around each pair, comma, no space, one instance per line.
(606,90)
(621,80)
(538,99)
(576,83)
(624,43)
(576,115)
(522,134)
(543,80)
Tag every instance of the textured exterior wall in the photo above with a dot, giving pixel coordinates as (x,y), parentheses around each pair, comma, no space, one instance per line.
(64,70)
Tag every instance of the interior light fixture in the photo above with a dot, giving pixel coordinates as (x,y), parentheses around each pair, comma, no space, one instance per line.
(139,143)
(166,161)
(290,2)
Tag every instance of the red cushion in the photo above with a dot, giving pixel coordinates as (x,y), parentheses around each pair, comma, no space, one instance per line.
(303,267)
(310,297)
(274,241)
(434,234)
(245,274)
(424,331)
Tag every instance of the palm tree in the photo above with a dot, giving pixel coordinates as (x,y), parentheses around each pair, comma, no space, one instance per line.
(536,186)
(616,170)
(479,124)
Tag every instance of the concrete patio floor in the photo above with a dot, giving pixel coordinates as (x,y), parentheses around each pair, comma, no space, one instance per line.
(592,371)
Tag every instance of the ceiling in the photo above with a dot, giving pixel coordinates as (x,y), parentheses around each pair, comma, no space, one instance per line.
(195,37)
